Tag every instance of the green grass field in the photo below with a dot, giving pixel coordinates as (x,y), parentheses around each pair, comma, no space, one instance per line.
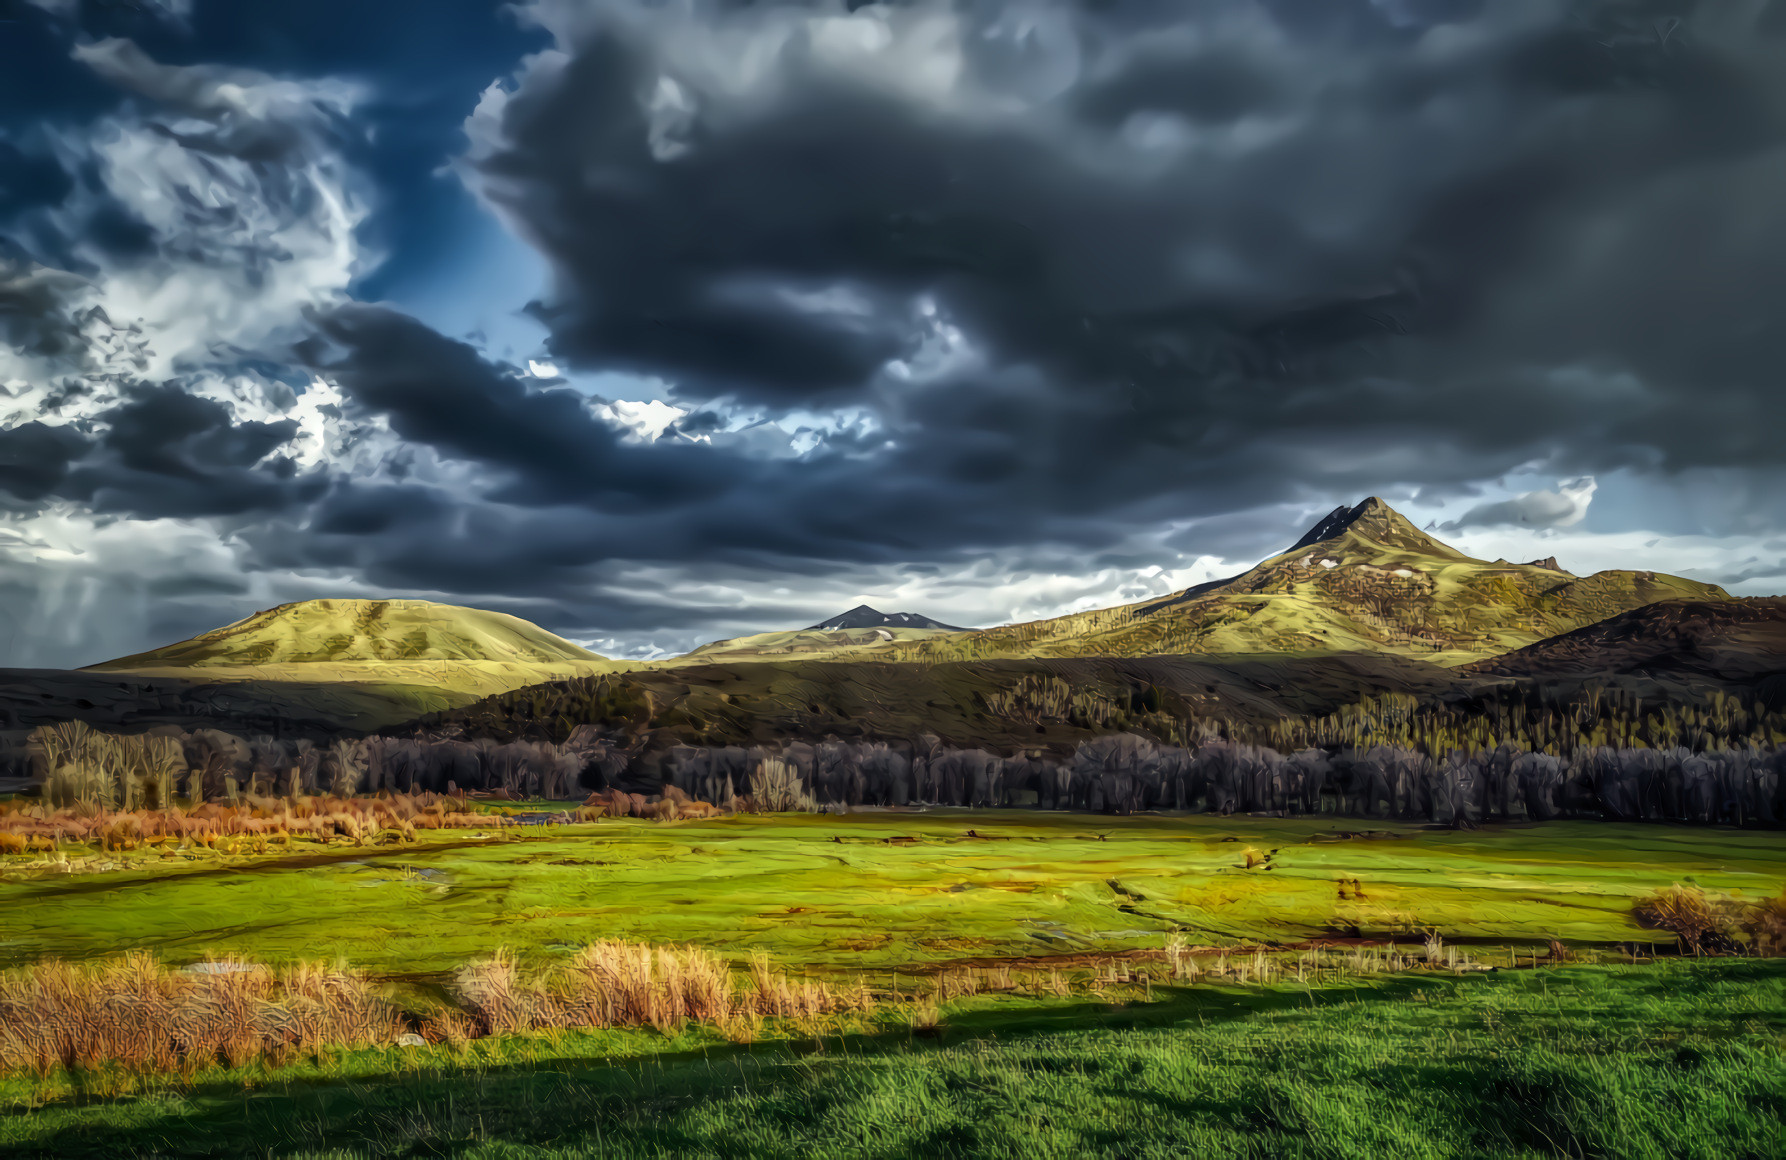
(1677,1060)
(1674,1058)
(883,891)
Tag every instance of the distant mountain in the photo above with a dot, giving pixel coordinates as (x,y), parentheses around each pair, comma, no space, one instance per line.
(1362,580)
(415,654)
(1736,641)
(863,616)
(862,632)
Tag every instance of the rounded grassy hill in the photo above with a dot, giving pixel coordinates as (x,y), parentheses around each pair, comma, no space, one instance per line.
(370,663)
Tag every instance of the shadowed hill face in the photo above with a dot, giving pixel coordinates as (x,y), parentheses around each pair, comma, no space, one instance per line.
(1728,641)
(1005,705)
(1362,580)
(364,631)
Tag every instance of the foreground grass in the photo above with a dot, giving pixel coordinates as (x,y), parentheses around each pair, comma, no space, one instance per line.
(879,892)
(1681,1059)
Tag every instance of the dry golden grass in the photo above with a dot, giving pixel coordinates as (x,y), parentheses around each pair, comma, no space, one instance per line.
(138,1017)
(621,984)
(1767,927)
(136,1014)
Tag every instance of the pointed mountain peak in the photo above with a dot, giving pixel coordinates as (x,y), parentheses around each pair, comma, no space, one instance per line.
(862,616)
(1373,520)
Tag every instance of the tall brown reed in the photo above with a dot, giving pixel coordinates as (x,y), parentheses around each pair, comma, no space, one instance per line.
(619,984)
(136,1014)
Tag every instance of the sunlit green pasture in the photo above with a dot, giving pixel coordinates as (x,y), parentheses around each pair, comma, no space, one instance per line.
(1674,1060)
(879,891)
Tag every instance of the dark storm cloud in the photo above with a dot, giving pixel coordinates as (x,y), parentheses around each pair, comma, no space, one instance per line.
(36,312)
(964,467)
(1042,280)
(164,452)
(161,452)
(446,395)
(167,431)
(35,458)
(956,473)
(1485,234)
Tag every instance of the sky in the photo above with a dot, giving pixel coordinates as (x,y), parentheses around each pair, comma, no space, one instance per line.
(662,321)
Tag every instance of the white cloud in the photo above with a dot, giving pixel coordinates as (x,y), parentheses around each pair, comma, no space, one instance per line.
(244,243)
(1562,508)
(644,421)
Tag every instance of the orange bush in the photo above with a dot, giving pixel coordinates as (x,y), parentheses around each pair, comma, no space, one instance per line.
(361,820)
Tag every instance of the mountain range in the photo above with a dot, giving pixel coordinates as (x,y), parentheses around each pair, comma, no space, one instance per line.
(1362,580)
(1362,583)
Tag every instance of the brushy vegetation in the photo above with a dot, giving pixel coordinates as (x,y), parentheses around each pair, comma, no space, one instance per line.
(248,825)
(136,1017)
(1679,1060)
(133,1014)
(618,984)
(1117,744)
(74,764)
(81,766)
(1705,924)
(133,1018)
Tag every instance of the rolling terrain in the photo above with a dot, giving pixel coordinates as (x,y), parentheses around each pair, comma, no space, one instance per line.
(368,663)
(1364,603)
(1734,642)
(1003,704)
(1363,580)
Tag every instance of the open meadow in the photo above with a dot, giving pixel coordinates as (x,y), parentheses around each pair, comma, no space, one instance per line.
(876,891)
(936,982)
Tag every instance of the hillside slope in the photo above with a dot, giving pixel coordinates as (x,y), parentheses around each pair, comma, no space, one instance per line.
(351,631)
(1738,641)
(1005,705)
(1362,580)
(402,657)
